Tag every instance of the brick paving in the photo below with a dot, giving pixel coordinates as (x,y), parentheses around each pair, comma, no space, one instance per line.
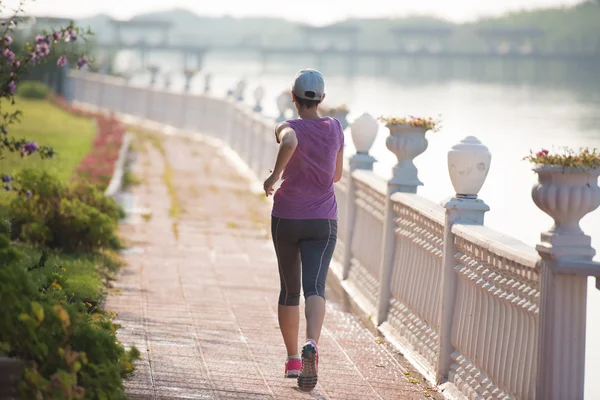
(199,293)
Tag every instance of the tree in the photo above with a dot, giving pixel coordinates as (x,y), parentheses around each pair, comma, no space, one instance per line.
(15,59)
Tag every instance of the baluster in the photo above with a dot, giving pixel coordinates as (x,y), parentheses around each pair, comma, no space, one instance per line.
(230,122)
(468,164)
(207,83)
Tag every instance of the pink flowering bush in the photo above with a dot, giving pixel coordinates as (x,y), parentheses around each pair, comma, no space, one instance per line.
(15,60)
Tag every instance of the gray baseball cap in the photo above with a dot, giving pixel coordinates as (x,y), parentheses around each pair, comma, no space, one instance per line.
(309,85)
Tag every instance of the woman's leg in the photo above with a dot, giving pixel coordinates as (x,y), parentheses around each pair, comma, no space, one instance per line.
(316,252)
(289,321)
(315,315)
(288,258)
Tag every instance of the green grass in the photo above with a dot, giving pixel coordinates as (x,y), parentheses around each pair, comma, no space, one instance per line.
(47,125)
(86,273)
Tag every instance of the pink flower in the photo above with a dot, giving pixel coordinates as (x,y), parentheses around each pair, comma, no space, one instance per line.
(62,61)
(10,56)
(542,153)
(81,62)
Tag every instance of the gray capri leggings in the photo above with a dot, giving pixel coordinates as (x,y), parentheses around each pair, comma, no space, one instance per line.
(304,250)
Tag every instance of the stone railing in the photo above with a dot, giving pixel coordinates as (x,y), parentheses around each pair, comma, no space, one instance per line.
(479,313)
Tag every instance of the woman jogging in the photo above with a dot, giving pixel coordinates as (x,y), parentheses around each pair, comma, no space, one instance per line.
(304,219)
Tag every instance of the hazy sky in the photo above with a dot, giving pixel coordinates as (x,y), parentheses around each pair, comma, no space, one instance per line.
(308,11)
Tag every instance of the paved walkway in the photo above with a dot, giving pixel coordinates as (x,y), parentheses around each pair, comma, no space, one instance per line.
(198,297)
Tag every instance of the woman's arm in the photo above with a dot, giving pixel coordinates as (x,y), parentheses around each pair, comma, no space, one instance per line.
(287,146)
(288,143)
(339,166)
(279,130)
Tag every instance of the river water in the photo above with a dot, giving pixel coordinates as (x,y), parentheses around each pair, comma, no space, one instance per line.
(509,118)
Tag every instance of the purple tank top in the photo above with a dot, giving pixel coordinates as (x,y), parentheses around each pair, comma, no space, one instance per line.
(306,190)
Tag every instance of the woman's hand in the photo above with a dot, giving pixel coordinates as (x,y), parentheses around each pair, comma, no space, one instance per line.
(269,183)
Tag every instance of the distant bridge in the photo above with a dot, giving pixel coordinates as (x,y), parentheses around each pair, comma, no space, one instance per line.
(196,54)
(341,41)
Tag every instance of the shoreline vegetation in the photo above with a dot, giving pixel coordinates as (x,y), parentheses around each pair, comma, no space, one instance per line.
(572,29)
(58,258)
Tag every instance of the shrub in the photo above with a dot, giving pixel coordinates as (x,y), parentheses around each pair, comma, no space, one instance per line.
(33,90)
(70,349)
(74,217)
(8,254)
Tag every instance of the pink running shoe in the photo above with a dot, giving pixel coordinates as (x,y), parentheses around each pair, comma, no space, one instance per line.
(293,367)
(307,380)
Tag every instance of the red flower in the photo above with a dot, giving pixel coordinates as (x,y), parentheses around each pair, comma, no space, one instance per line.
(542,153)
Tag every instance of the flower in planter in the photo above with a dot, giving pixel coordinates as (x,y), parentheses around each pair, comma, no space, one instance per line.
(584,159)
(418,122)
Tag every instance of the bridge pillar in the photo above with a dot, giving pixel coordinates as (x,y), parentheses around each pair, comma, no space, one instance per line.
(263,61)
(384,65)
(466,209)
(200,60)
(364,131)
(566,195)
(320,60)
(143,58)
(406,142)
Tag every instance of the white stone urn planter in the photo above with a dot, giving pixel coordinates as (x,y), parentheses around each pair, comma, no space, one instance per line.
(468,163)
(189,74)
(364,131)
(282,105)
(259,94)
(566,194)
(341,115)
(290,104)
(325,112)
(406,142)
(238,92)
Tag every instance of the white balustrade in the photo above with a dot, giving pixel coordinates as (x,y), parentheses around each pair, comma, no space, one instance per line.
(496,315)
(369,198)
(474,310)
(414,313)
(341,195)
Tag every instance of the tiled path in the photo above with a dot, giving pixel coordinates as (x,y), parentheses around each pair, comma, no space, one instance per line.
(199,296)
